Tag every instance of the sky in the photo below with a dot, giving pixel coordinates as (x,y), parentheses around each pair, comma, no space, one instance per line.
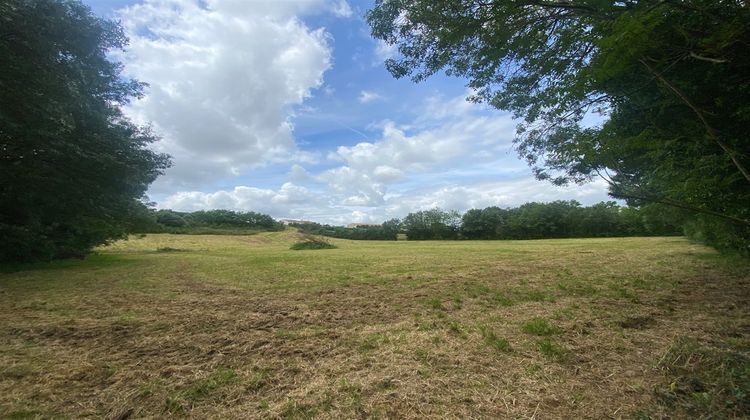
(285,107)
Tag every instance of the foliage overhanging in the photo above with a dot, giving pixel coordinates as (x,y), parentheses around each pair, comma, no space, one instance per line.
(669,78)
(73,167)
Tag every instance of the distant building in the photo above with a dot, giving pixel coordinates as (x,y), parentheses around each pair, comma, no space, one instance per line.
(356,225)
(287,222)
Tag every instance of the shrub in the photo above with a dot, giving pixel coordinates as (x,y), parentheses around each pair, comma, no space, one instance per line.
(312,242)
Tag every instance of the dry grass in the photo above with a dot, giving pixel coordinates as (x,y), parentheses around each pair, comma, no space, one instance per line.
(244,327)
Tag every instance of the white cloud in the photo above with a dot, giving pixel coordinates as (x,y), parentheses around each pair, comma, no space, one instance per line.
(292,200)
(456,155)
(509,193)
(366,96)
(450,157)
(358,216)
(342,9)
(357,187)
(387,173)
(224,76)
(298,174)
(384,51)
(461,140)
(242,198)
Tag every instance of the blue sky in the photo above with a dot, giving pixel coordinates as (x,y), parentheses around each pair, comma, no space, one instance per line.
(285,107)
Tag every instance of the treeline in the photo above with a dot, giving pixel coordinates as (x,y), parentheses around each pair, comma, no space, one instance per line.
(558,219)
(205,221)
(388,231)
(567,219)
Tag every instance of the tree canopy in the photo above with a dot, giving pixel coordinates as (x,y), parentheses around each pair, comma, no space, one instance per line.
(387,231)
(73,167)
(670,80)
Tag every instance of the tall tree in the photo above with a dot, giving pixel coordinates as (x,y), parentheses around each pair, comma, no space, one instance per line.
(72,167)
(670,79)
(432,224)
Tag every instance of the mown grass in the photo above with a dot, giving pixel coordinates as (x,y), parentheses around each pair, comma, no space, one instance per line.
(241,326)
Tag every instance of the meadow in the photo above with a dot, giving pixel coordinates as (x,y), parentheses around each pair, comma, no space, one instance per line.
(241,326)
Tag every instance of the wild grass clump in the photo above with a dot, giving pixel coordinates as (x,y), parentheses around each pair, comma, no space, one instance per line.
(551,349)
(492,340)
(166,249)
(435,303)
(312,242)
(539,326)
(707,381)
(200,390)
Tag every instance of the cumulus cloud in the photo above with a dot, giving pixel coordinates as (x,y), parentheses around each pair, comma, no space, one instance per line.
(509,193)
(295,201)
(224,77)
(439,142)
(367,96)
(384,51)
(342,9)
(456,156)
(297,173)
(281,202)
(446,132)
(358,188)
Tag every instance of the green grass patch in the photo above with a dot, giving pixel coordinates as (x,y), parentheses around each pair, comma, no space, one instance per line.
(455,328)
(551,349)
(352,392)
(706,381)
(489,296)
(623,292)
(539,326)
(532,296)
(492,340)
(23,414)
(174,406)
(149,388)
(168,249)
(258,379)
(293,409)
(16,371)
(577,287)
(203,388)
(434,303)
(369,343)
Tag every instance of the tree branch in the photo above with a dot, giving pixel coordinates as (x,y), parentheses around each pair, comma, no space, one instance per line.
(709,59)
(709,130)
(654,198)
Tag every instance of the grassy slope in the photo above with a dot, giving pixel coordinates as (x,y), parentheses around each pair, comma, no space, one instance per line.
(243,327)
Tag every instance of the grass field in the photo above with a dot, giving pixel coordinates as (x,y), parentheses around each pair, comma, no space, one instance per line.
(241,326)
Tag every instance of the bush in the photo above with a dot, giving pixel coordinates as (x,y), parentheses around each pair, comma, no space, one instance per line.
(170,218)
(722,235)
(312,242)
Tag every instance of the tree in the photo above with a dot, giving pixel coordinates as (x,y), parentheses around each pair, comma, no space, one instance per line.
(170,218)
(391,228)
(73,168)
(542,220)
(602,219)
(488,223)
(432,224)
(668,77)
